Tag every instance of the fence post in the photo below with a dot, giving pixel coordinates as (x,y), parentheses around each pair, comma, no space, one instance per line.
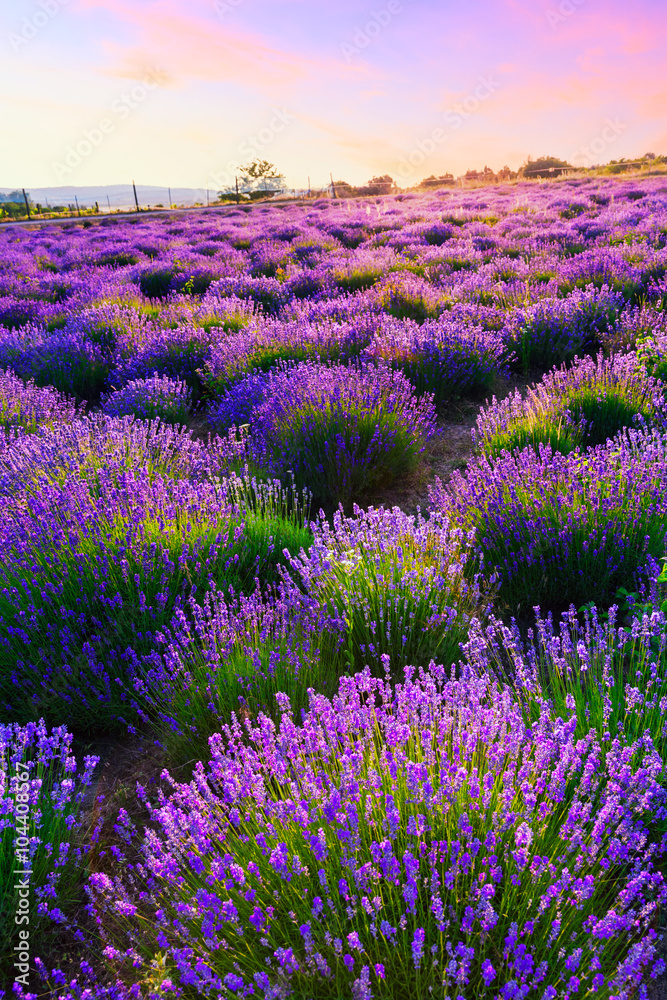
(27,206)
(136,200)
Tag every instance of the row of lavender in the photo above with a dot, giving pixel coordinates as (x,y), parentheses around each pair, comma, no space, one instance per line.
(448,289)
(369,824)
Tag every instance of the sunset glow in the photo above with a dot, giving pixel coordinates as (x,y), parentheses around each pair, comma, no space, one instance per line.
(188,90)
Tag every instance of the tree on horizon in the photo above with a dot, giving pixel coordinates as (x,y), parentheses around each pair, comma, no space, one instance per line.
(544,166)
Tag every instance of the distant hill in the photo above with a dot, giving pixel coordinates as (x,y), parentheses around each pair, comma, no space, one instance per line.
(119,195)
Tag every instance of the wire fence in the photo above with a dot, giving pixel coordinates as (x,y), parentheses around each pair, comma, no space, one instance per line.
(40,205)
(45,205)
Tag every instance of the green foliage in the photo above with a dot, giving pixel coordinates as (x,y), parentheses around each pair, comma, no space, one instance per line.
(83,375)
(122,258)
(405,303)
(357,278)
(270,525)
(652,354)
(573,211)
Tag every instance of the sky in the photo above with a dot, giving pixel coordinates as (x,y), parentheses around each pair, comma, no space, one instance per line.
(183,92)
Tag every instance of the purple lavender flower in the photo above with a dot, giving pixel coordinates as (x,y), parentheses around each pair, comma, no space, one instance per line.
(281,782)
(417,946)
(582,405)
(167,398)
(25,406)
(564,529)
(339,430)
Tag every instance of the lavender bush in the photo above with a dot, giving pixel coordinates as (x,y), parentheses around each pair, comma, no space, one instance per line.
(24,405)
(263,346)
(42,793)
(564,529)
(334,858)
(167,398)
(392,584)
(340,431)
(230,655)
(613,676)
(98,446)
(580,406)
(85,985)
(67,361)
(446,359)
(92,577)
(554,331)
(410,297)
(236,405)
(177,353)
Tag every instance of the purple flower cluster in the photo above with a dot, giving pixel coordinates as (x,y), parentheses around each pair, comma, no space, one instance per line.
(42,798)
(85,985)
(583,405)
(418,832)
(564,529)
(24,405)
(613,676)
(222,655)
(167,398)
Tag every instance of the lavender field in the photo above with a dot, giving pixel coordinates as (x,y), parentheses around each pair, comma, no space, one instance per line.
(266,732)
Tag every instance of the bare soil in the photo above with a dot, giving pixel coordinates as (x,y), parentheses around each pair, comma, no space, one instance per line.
(448,451)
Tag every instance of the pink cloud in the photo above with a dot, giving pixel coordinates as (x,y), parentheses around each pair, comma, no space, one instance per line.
(197,45)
